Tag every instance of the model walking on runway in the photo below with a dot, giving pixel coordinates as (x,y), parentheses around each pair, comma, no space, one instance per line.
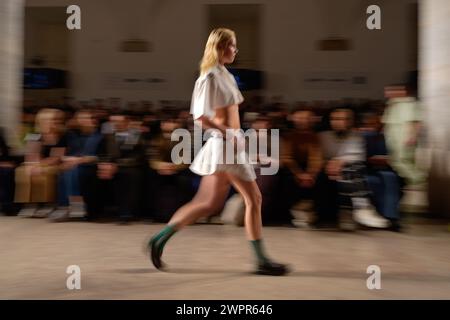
(214,105)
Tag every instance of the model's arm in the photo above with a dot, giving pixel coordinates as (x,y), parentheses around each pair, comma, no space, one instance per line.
(222,121)
(207,124)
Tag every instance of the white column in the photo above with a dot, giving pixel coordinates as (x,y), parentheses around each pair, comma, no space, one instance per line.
(11,66)
(434,60)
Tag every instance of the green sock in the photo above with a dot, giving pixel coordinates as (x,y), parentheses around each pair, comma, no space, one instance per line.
(164,235)
(165,239)
(259,251)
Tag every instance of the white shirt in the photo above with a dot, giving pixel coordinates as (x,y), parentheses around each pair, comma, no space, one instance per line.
(216,88)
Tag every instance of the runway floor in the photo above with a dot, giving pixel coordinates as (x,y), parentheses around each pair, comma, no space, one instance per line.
(214,262)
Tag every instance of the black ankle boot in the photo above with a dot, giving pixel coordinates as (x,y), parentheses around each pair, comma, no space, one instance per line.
(155,254)
(270,268)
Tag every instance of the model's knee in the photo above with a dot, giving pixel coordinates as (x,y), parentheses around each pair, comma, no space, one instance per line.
(254,201)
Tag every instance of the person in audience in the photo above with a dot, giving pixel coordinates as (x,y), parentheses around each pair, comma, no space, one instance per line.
(82,147)
(383,181)
(402,125)
(302,158)
(269,185)
(122,161)
(169,184)
(36,177)
(27,125)
(341,185)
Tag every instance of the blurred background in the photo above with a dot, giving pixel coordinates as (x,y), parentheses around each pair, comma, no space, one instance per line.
(129,72)
(86,118)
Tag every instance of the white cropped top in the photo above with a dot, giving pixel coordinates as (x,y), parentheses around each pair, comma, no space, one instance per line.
(215,89)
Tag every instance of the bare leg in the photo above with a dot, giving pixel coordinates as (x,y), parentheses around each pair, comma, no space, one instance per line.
(252,198)
(253,225)
(209,199)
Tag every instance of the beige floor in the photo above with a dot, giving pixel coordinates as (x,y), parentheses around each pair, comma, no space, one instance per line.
(213,262)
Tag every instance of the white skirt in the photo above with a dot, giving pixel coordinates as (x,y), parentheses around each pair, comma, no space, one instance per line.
(212,158)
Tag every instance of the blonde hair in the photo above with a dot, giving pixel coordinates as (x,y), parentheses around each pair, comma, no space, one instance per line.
(44,118)
(217,41)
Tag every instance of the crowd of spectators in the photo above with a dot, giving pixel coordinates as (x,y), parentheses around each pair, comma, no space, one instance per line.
(347,159)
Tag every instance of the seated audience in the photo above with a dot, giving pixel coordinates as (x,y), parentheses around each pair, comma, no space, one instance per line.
(36,177)
(122,162)
(82,147)
(383,181)
(302,158)
(343,192)
(269,185)
(169,185)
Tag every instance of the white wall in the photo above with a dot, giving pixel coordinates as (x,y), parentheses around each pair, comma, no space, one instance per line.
(290,46)
(435,94)
(11,58)
(46,35)
(289,31)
